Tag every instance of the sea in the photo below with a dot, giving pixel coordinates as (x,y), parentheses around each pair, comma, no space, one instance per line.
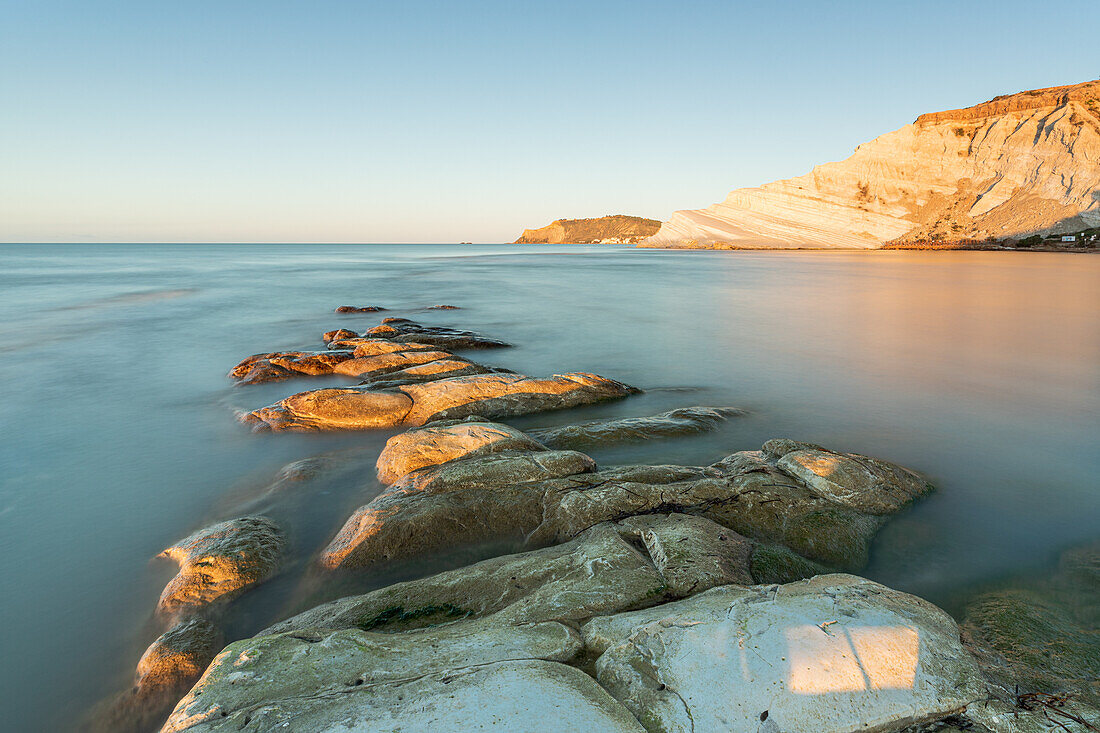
(120,432)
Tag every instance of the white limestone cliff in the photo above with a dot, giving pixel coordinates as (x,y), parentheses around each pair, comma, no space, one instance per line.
(1014,166)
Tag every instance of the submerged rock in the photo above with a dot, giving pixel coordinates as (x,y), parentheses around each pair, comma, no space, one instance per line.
(491,395)
(166,671)
(461,676)
(359,309)
(681,421)
(596,573)
(443,307)
(220,562)
(402,329)
(1034,643)
(440,442)
(178,657)
(829,655)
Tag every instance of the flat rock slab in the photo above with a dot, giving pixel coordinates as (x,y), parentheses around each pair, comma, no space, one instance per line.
(438,443)
(681,421)
(523,696)
(829,655)
(220,562)
(489,395)
(269,681)
(597,573)
(860,482)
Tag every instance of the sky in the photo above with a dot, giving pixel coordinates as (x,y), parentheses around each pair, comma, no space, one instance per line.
(414,121)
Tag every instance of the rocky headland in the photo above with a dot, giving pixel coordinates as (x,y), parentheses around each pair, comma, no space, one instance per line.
(583,597)
(997,173)
(615,229)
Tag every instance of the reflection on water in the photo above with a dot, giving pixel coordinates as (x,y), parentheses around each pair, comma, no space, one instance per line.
(981,369)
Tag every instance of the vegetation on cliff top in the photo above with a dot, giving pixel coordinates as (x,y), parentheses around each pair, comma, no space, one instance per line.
(611,229)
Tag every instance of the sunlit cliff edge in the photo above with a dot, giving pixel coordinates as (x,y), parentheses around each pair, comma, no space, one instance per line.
(616,229)
(1012,167)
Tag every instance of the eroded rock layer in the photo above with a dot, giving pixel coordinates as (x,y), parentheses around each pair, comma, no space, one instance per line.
(1018,165)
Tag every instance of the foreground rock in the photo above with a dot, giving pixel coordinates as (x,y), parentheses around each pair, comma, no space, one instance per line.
(491,395)
(468,676)
(494,499)
(597,573)
(823,505)
(220,562)
(681,421)
(829,655)
(692,553)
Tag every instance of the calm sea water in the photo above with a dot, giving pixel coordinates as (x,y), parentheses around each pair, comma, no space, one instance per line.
(981,369)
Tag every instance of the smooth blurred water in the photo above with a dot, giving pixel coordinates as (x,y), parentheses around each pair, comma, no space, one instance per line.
(981,369)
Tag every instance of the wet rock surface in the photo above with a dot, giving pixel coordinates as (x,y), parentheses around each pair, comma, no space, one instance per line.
(445,441)
(692,553)
(681,421)
(165,672)
(829,655)
(542,498)
(359,309)
(220,562)
(402,329)
(598,572)
(492,395)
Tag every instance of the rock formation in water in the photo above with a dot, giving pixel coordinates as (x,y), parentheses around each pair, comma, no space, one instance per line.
(220,562)
(1015,166)
(647,597)
(461,483)
(616,229)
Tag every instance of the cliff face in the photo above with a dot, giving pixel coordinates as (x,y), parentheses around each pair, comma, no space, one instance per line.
(617,229)
(1017,165)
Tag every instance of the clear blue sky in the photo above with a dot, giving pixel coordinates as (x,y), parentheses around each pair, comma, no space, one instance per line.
(445,121)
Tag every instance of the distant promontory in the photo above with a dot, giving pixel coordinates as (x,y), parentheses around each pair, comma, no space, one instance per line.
(614,229)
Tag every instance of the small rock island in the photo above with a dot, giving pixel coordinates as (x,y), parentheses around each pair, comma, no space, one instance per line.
(612,229)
